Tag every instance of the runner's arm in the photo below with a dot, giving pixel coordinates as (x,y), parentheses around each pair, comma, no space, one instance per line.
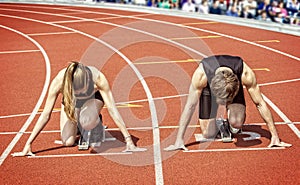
(53,92)
(199,81)
(249,80)
(103,86)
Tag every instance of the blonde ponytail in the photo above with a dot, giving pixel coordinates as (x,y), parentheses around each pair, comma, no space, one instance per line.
(69,100)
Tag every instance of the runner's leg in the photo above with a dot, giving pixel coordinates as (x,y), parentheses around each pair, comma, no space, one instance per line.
(89,114)
(236,115)
(208,128)
(68,129)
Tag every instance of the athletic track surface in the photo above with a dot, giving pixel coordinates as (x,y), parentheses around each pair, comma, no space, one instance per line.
(148,59)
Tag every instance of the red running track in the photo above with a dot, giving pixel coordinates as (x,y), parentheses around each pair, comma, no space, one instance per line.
(148,59)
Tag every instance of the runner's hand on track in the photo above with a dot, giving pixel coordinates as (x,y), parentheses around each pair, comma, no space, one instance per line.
(26,152)
(175,147)
(275,142)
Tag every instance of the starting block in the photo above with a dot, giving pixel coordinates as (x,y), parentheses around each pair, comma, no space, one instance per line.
(223,126)
(92,137)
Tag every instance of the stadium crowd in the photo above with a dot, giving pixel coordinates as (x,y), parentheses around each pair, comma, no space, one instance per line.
(280,11)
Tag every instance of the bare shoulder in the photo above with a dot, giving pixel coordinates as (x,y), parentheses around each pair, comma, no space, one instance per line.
(56,84)
(61,73)
(248,76)
(96,73)
(199,79)
(99,78)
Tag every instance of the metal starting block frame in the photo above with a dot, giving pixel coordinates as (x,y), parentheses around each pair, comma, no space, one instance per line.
(82,143)
(223,127)
(92,138)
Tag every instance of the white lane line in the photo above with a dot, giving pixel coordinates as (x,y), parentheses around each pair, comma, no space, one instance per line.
(149,34)
(156,136)
(177,25)
(40,100)
(29,132)
(156,133)
(79,155)
(220,34)
(276,123)
(112,24)
(20,115)
(146,128)
(118,103)
(19,51)
(280,82)
(181,46)
(234,149)
(108,129)
(71,21)
(186,26)
(207,31)
(283,116)
(159,98)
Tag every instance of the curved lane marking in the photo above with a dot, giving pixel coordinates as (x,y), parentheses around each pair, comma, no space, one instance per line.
(156,142)
(40,100)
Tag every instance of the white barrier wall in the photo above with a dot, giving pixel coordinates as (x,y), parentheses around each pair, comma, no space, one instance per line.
(278,27)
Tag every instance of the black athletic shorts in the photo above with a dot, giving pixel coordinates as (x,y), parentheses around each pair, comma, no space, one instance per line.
(80,102)
(208,105)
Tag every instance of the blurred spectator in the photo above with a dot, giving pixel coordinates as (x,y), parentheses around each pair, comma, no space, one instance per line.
(281,11)
(276,10)
(270,10)
(223,6)
(296,21)
(263,16)
(152,3)
(252,6)
(266,7)
(189,6)
(204,7)
(174,4)
(164,4)
(228,3)
(232,11)
(262,7)
(197,4)
(215,8)
(282,14)
(293,7)
(136,2)
(245,13)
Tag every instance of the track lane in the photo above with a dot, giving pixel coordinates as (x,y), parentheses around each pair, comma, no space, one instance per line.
(40,100)
(156,148)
